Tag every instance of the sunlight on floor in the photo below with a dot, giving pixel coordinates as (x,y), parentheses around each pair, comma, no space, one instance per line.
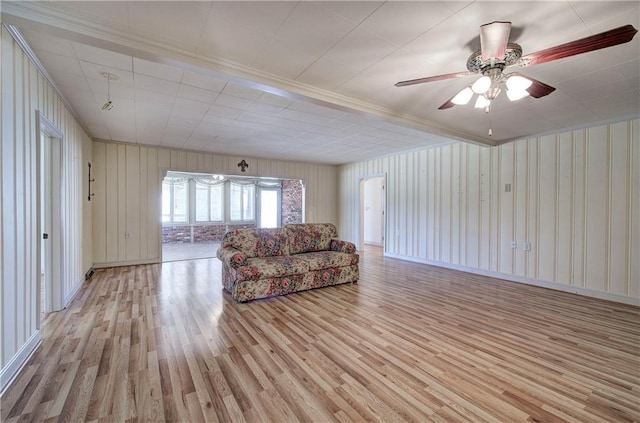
(188,251)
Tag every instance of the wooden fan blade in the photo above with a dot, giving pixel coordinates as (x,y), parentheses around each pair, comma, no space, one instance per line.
(539,89)
(610,38)
(493,39)
(447,104)
(433,78)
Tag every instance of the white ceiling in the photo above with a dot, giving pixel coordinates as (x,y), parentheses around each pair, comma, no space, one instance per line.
(313,81)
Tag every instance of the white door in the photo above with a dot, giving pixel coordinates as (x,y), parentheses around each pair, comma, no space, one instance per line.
(51,243)
(374,211)
(269,209)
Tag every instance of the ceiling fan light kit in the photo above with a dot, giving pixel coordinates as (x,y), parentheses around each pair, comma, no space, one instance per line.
(463,96)
(496,53)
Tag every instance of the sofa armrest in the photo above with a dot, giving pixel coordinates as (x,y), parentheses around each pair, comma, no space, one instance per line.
(231,257)
(342,246)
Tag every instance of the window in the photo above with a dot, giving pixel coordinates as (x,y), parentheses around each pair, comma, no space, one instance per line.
(174,200)
(201,199)
(208,207)
(242,201)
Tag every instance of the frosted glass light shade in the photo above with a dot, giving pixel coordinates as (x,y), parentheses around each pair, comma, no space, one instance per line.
(518,83)
(482,102)
(482,85)
(462,97)
(516,94)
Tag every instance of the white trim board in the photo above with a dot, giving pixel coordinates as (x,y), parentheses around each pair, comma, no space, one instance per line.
(14,367)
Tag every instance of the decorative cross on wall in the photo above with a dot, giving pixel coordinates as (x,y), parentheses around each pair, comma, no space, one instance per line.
(243,165)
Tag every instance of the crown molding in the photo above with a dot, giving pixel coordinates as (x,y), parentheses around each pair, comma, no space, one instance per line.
(46,18)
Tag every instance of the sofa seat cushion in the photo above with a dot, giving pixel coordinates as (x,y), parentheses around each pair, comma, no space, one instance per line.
(328,259)
(271,267)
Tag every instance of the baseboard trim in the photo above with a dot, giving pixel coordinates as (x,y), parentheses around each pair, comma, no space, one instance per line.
(13,368)
(71,295)
(521,279)
(126,263)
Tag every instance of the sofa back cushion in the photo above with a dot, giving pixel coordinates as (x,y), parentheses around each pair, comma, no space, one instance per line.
(306,237)
(258,242)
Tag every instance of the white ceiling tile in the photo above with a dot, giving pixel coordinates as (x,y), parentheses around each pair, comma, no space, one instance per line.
(197,94)
(275,100)
(223,38)
(264,108)
(93,72)
(400,22)
(595,13)
(261,16)
(309,31)
(360,49)
(177,122)
(225,112)
(232,102)
(100,89)
(203,81)
(157,70)
(218,120)
(355,11)
(103,57)
(317,109)
(39,41)
(302,117)
(66,80)
(241,92)
(189,109)
(55,63)
(99,131)
(156,85)
(149,98)
(180,22)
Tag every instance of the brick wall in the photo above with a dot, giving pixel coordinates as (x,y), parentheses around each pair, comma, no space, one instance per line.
(176,234)
(291,202)
(197,233)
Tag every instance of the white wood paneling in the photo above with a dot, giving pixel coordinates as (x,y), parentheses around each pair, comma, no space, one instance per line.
(24,93)
(574,197)
(128,216)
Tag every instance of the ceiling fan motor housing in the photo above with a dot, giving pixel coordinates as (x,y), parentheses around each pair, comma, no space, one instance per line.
(476,64)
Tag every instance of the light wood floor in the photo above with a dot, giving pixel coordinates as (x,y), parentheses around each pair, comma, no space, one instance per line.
(409,342)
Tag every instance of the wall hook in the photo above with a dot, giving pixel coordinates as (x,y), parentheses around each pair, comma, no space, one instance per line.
(91,194)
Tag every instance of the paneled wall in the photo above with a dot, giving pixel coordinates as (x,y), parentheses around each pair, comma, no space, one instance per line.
(25,91)
(127,208)
(574,196)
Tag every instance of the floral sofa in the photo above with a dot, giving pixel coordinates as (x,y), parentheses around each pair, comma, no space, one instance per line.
(260,263)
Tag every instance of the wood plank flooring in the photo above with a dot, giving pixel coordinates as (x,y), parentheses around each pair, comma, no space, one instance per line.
(409,342)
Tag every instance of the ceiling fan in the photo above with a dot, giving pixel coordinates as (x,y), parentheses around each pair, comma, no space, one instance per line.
(497,53)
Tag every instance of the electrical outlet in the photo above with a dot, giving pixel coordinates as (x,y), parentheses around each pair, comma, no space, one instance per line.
(398,232)
(514,245)
(526,246)
(127,235)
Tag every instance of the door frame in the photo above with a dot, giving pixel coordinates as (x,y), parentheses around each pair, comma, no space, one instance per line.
(53,282)
(360,214)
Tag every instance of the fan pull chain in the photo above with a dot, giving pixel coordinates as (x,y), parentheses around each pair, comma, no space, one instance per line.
(487,110)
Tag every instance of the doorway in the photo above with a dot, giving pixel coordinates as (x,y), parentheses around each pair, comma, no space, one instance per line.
(269,207)
(372,211)
(50,179)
